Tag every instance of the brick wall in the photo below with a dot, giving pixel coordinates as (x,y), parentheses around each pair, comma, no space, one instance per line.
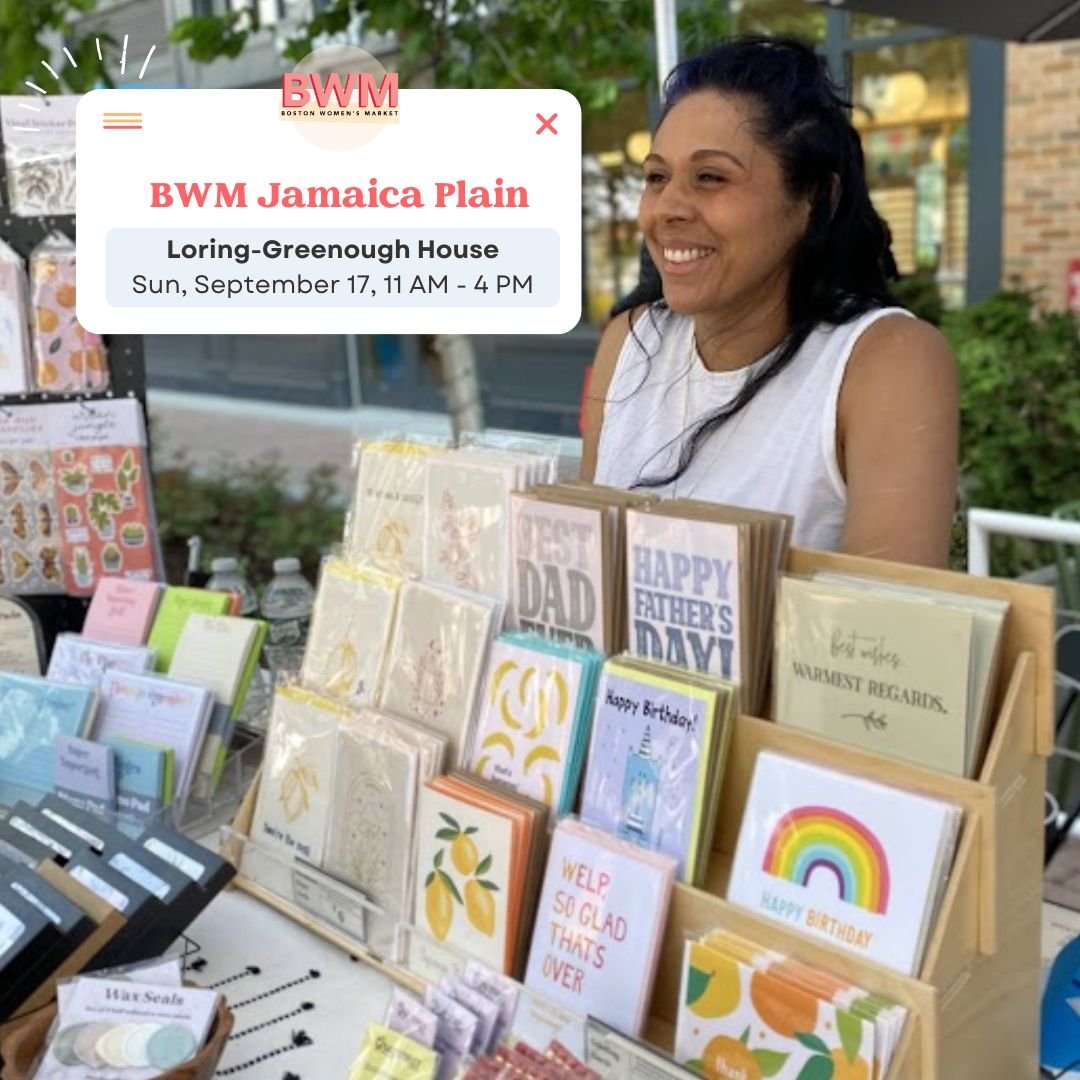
(1042,167)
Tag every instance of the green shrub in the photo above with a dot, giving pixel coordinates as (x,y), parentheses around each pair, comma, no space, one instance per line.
(249,510)
(1019,411)
(919,293)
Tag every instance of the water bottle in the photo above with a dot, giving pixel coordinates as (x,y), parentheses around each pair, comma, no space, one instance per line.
(286,607)
(226,576)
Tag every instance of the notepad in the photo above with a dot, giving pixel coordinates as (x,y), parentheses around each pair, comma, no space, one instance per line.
(122,611)
(76,659)
(84,774)
(219,652)
(177,604)
(33,712)
(163,711)
(145,776)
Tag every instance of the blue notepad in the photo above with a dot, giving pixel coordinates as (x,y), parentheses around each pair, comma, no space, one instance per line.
(144,776)
(33,712)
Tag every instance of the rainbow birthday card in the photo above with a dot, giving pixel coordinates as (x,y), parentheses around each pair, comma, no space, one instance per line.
(857,863)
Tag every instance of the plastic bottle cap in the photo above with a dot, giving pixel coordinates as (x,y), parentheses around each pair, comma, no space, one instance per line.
(287,566)
(223,566)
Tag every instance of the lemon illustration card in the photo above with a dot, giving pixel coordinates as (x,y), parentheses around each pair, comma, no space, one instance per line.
(735,1019)
(350,631)
(293,805)
(530,715)
(857,863)
(465,854)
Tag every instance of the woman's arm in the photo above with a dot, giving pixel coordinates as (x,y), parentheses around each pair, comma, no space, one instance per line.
(897,443)
(603,370)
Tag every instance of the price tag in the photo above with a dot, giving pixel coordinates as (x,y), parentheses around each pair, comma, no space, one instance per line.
(332,906)
(617,1057)
(538,1021)
(427,958)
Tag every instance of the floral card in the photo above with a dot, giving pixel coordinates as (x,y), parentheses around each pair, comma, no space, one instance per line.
(103,492)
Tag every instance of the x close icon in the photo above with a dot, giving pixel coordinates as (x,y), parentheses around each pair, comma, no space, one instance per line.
(546,125)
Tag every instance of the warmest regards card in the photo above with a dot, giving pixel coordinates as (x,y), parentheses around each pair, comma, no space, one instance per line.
(465,857)
(100,469)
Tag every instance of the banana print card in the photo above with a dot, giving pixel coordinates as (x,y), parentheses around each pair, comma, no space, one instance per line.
(528,714)
(463,870)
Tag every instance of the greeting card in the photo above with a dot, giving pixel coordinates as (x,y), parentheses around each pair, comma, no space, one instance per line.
(737,1019)
(533,718)
(436,659)
(599,925)
(103,490)
(467,531)
(294,802)
(372,809)
(855,862)
(652,761)
(465,865)
(122,611)
(33,712)
(560,582)
(350,630)
(389,508)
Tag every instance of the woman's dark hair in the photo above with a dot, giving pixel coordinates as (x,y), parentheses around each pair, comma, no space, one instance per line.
(843,263)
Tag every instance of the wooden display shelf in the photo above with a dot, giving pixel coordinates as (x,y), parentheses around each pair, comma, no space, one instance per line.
(974,1005)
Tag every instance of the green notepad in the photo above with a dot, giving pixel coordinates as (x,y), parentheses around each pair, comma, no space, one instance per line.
(175,607)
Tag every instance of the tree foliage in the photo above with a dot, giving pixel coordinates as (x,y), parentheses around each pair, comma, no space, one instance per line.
(584,46)
(27,33)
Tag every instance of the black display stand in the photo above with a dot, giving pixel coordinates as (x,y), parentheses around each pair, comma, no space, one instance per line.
(127,371)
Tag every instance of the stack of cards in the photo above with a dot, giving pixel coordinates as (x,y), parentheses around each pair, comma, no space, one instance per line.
(903,671)
(562,521)
(77,659)
(164,712)
(437,655)
(294,801)
(380,763)
(599,925)
(479,856)
(700,581)
(177,603)
(656,761)
(350,632)
(467,530)
(389,508)
(33,712)
(857,863)
(220,652)
(746,1010)
(122,612)
(534,717)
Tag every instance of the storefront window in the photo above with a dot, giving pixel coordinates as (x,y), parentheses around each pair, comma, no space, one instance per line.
(911,107)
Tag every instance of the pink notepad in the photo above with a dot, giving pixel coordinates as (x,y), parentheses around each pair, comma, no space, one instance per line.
(121,612)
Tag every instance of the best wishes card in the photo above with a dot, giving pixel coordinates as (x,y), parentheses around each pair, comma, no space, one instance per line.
(852,861)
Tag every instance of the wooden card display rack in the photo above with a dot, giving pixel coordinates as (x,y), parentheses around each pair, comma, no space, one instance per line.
(974,1009)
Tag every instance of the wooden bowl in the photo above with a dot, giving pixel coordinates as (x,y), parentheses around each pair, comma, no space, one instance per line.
(25,1041)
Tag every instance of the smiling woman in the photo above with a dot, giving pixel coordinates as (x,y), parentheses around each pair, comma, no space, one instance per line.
(762,362)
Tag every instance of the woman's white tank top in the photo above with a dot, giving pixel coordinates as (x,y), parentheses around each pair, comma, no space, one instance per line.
(778,453)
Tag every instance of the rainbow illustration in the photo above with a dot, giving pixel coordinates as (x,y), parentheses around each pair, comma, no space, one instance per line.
(813,839)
